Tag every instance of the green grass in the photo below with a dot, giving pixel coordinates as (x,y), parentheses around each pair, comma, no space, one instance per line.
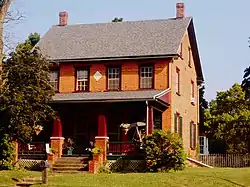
(192,177)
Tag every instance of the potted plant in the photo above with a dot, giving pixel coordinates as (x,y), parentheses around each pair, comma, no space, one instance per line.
(125,127)
(68,146)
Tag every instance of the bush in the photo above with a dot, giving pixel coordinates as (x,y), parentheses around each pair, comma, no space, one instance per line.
(164,151)
(6,152)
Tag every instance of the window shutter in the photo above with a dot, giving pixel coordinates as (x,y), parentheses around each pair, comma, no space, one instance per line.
(194,135)
(191,139)
(175,123)
(180,126)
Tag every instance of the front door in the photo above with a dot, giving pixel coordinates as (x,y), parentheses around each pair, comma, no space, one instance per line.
(81,133)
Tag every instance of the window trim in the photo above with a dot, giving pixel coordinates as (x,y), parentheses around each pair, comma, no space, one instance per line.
(178,92)
(192,89)
(79,69)
(193,135)
(178,124)
(189,57)
(181,50)
(153,75)
(120,77)
(58,78)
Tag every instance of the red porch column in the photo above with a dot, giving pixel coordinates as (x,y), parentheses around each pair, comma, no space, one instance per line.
(57,140)
(150,120)
(101,140)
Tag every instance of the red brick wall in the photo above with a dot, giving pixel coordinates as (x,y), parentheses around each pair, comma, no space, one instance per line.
(129,76)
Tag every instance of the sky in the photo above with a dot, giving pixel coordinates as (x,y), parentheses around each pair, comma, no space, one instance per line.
(222,28)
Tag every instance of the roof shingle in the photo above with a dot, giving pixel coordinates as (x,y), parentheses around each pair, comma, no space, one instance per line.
(123,39)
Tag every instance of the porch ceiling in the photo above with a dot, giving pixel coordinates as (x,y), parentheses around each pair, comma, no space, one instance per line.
(116,96)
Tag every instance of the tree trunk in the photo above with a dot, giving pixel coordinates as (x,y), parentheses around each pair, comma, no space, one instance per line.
(4,6)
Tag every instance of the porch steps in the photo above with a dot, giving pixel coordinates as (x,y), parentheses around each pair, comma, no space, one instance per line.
(71,165)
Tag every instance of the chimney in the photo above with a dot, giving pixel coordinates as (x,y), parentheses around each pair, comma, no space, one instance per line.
(63,18)
(180,10)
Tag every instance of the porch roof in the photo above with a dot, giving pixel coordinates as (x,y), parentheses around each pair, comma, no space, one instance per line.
(114,96)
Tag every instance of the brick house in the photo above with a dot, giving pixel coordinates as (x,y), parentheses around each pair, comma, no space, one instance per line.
(134,71)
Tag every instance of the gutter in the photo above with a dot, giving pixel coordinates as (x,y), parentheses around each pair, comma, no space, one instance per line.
(115,58)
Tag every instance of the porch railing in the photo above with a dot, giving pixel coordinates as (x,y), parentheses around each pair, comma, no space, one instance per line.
(33,150)
(120,148)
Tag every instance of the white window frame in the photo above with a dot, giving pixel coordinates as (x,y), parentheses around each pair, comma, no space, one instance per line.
(114,75)
(54,79)
(203,145)
(147,77)
(82,81)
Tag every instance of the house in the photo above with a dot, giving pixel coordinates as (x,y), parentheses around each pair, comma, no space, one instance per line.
(134,71)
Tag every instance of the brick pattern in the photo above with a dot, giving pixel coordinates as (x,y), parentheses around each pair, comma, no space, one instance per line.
(57,146)
(129,76)
(51,158)
(101,142)
(182,103)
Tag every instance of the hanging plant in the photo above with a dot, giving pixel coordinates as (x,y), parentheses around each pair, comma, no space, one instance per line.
(38,129)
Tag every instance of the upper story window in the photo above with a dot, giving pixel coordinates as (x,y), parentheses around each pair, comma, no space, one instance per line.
(82,80)
(192,135)
(178,124)
(189,56)
(147,76)
(114,78)
(192,89)
(181,50)
(177,81)
(54,79)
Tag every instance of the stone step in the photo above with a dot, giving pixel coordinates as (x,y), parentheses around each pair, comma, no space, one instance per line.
(69,165)
(71,162)
(81,168)
(69,172)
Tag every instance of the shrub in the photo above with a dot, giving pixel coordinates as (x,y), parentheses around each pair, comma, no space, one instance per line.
(164,151)
(6,152)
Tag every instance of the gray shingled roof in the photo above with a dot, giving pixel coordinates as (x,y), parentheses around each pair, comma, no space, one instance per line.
(106,96)
(104,40)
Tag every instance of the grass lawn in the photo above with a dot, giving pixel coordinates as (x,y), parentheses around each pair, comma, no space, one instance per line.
(190,177)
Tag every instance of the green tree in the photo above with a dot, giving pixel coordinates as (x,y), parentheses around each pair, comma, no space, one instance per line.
(203,104)
(246,82)
(117,19)
(26,91)
(228,119)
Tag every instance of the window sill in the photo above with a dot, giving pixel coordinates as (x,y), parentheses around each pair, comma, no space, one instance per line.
(178,93)
(112,90)
(192,148)
(80,91)
(192,103)
(189,65)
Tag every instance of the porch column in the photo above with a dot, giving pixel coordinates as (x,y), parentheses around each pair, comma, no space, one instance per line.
(150,119)
(57,140)
(15,158)
(101,139)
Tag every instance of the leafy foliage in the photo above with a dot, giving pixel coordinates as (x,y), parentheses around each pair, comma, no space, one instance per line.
(6,152)
(26,91)
(246,82)
(117,19)
(228,119)
(164,151)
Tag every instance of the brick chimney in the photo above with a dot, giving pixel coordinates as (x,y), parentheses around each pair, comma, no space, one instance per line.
(180,10)
(63,18)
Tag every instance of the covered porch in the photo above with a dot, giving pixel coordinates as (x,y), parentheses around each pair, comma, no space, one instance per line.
(79,117)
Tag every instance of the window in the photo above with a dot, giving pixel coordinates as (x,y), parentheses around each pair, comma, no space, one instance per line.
(82,80)
(189,56)
(192,135)
(178,124)
(192,89)
(54,80)
(146,77)
(203,145)
(114,78)
(177,81)
(181,50)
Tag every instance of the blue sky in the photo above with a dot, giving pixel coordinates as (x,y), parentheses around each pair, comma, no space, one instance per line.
(222,28)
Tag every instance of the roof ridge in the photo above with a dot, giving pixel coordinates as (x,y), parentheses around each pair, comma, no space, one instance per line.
(129,21)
